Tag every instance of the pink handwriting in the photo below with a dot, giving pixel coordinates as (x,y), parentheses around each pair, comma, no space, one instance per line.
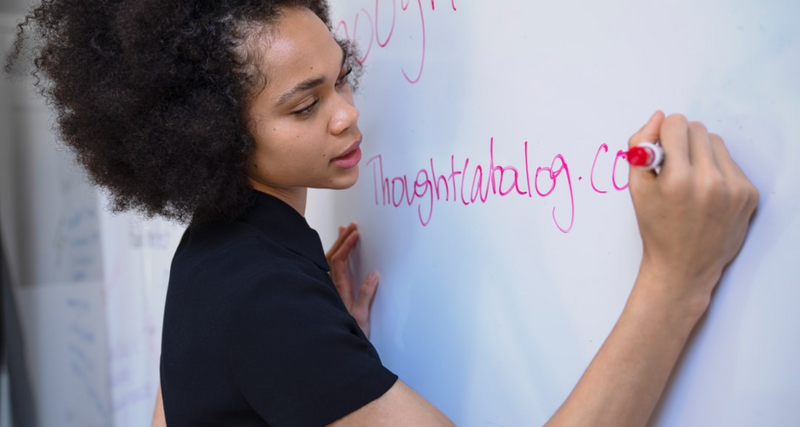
(461,183)
(383,36)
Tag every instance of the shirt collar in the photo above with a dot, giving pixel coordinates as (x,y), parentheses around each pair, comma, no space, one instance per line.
(287,227)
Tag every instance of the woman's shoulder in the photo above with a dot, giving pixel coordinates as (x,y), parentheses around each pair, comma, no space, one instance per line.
(237,270)
(234,249)
(269,231)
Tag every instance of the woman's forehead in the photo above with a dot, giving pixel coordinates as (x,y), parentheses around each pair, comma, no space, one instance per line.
(298,47)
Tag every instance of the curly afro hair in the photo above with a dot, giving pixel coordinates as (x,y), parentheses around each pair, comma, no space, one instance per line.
(150,95)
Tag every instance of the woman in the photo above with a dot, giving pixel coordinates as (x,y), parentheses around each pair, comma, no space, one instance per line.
(223,114)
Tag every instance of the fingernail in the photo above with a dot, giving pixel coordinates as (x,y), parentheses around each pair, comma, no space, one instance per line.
(373,278)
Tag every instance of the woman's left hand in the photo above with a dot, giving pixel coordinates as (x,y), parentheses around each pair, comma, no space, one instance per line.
(357,301)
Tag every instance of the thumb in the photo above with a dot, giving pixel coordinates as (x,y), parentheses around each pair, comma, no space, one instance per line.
(361,308)
(650,132)
(366,294)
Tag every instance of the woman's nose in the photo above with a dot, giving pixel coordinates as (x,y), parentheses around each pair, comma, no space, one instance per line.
(345,115)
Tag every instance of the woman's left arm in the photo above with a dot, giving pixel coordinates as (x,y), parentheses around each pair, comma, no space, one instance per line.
(158,413)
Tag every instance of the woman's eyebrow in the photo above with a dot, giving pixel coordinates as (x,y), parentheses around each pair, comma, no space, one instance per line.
(306,84)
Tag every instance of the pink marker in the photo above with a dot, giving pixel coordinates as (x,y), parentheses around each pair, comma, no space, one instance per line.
(646,155)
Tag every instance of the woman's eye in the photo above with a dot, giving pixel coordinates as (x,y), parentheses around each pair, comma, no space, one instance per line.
(308,109)
(342,80)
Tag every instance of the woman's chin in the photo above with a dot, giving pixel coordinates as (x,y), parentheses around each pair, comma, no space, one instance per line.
(345,181)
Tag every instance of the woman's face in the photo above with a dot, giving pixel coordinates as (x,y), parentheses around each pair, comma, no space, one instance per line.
(304,122)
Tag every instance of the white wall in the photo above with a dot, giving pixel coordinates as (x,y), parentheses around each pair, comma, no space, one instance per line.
(13,6)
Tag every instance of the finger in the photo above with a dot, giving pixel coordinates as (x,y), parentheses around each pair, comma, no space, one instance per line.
(350,229)
(700,152)
(339,239)
(339,257)
(675,141)
(648,133)
(343,232)
(367,292)
(345,247)
(347,232)
(336,244)
(339,268)
(366,295)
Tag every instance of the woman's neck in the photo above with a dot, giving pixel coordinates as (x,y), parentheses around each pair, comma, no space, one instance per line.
(292,196)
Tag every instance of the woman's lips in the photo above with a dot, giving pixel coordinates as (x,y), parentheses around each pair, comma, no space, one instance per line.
(349,159)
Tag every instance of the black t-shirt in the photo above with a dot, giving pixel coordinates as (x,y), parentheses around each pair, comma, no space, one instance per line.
(255,333)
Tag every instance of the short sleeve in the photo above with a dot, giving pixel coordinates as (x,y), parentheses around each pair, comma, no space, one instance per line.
(297,355)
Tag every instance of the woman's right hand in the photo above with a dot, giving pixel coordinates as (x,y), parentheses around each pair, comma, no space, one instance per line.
(694,214)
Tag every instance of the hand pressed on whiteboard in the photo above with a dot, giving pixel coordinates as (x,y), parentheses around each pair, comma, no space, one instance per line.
(694,215)
(400,405)
(357,301)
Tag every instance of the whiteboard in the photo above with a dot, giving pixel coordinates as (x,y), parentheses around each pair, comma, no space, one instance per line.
(493,300)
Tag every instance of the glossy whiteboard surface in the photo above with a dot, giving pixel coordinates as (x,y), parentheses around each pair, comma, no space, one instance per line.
(492,203)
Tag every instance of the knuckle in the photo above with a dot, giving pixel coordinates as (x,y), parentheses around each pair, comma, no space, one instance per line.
(676,119)
(361,313)
(754,194)
(714,181)
(677,184)
(366,290)
(697,127)
(635,138)
(741,196)
(714,191)
(749,196)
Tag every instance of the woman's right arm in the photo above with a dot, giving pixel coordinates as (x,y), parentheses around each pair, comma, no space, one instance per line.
(693,218)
